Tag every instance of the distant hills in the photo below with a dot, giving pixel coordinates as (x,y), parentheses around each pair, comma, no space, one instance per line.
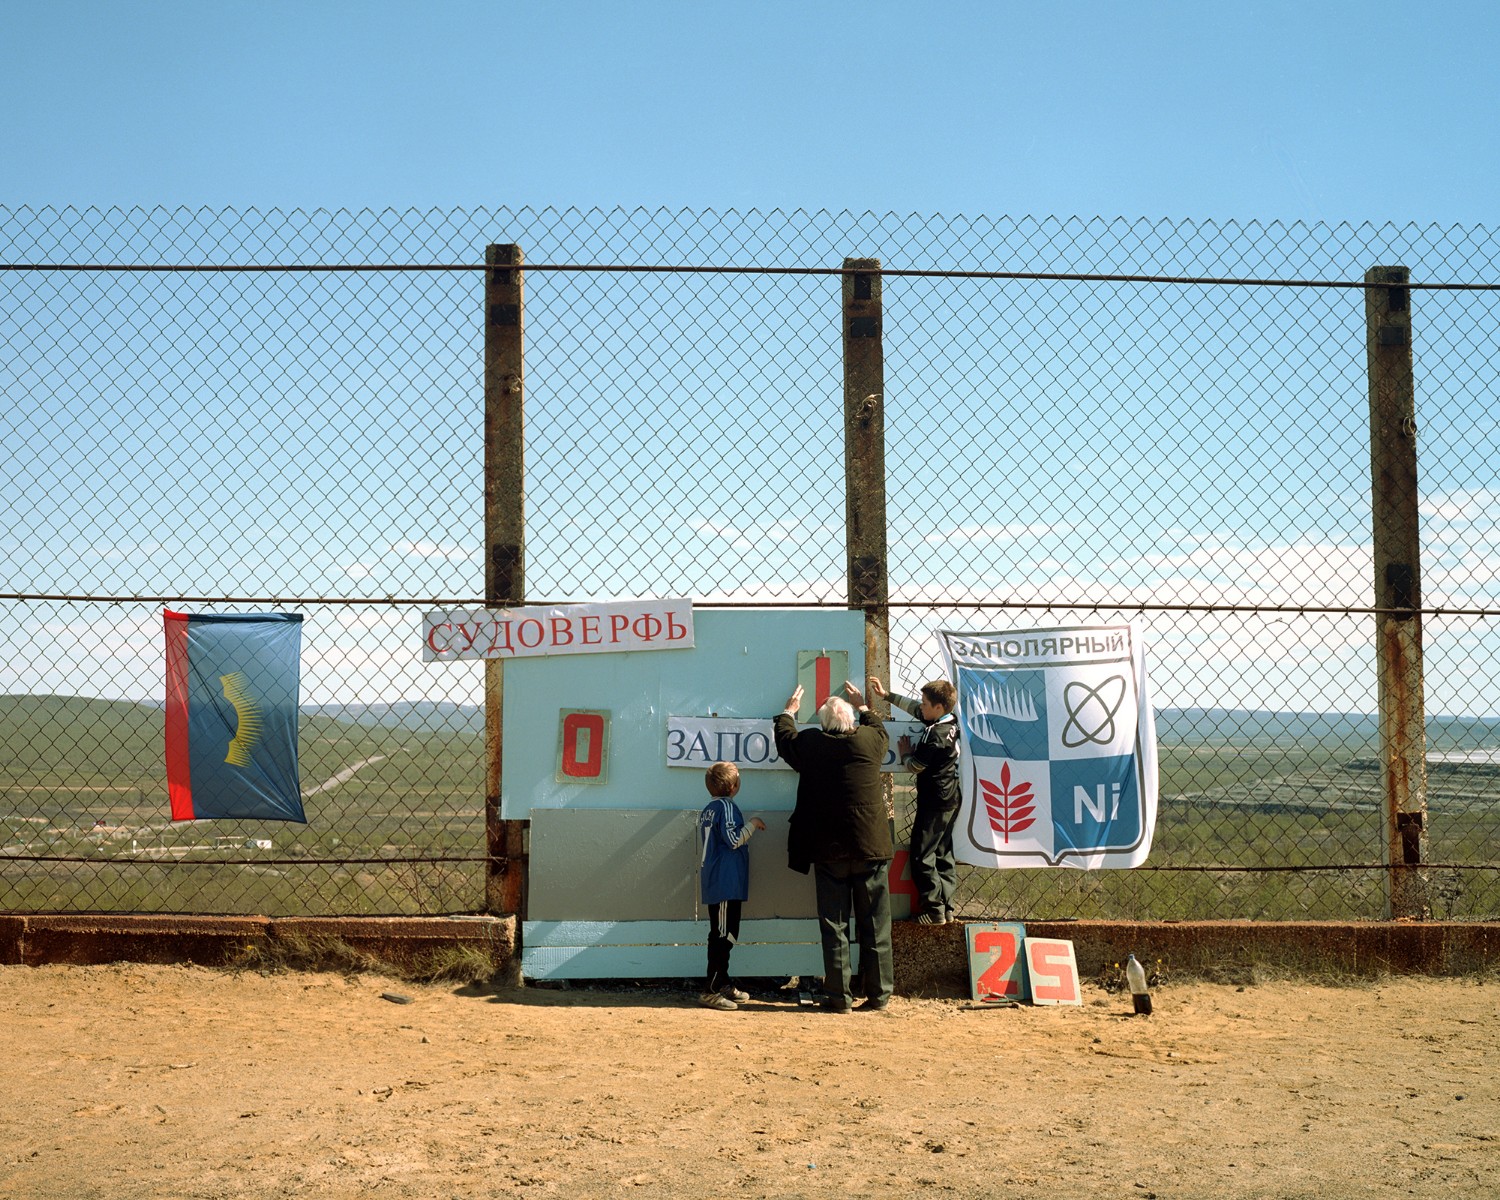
(24,718)
(433,716)
(41,735)
(1232,726)
(1182,726)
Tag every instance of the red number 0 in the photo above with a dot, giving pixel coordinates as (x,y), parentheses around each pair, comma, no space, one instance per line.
(591,726)
(992,981)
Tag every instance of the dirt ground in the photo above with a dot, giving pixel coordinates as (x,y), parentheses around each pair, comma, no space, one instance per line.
(134,1081)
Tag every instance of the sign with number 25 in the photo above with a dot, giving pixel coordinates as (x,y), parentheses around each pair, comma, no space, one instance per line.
(1006,965)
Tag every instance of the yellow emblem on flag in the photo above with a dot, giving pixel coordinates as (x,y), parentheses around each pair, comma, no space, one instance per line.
(247,732)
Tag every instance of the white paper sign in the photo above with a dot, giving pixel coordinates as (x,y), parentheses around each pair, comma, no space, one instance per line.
(750,744)
(605,628)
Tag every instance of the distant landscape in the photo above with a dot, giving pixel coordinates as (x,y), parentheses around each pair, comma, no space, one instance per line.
(426,715)
(1241,790)
(1227,726)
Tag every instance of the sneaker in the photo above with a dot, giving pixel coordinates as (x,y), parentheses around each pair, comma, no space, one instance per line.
(933,918)
(733,993)
(717,1000)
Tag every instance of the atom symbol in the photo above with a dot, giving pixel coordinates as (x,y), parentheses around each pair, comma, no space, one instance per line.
(1090,713)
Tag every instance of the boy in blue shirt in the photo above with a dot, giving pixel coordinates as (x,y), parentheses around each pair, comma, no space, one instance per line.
(724,878)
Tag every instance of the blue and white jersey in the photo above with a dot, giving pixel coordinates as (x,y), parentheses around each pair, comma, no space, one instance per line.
(934,756)
(724,860)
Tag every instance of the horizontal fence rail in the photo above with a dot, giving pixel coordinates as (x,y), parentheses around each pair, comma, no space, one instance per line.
(724,269)
(1167,423)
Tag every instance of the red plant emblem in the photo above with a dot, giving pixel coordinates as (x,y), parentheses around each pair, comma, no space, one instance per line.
(1011,807)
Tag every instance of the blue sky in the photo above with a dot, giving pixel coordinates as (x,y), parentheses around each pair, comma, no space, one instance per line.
(1311,115)
(1296,110)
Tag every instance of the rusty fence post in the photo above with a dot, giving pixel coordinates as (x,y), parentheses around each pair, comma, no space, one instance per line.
(864,466)
(504,549)
(1398,586)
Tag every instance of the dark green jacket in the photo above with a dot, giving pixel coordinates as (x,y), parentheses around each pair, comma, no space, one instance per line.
(840,814)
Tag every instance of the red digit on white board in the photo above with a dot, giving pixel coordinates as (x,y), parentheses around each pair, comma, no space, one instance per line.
(992,981)
(1054,974)
(589,729)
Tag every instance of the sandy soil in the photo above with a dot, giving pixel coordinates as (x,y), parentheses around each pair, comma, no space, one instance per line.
(131,1081)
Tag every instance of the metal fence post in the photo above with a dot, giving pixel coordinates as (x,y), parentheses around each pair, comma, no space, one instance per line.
(1398,585)
(504,547)
(864,463)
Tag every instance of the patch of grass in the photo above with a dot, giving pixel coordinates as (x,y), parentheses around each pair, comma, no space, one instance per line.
(457,963)
(293,952)
(452,964)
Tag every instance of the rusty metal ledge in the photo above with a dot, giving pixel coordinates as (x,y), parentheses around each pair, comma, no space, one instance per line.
(37,939)
(931,960)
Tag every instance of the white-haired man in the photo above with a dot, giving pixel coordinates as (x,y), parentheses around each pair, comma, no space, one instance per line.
(840,828)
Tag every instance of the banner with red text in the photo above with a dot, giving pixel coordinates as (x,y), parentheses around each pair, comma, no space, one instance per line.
(532,632)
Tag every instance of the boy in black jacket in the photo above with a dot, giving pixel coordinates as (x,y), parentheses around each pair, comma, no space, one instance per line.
(933,759)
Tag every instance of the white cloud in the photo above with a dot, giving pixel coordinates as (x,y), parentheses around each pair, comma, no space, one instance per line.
(1461,506)
(449,553)
(991,533)
(121,551)
(761,533)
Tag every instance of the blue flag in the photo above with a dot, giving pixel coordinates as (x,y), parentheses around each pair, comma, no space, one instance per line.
(231,724)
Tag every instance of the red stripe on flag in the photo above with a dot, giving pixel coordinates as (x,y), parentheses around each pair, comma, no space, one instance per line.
(822,683)
(179,775)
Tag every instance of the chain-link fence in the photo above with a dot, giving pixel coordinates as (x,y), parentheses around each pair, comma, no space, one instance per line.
(300,422)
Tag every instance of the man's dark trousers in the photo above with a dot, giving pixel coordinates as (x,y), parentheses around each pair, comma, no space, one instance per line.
(863,890)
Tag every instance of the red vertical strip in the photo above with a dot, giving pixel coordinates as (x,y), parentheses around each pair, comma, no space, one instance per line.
(179,776)
(822,681)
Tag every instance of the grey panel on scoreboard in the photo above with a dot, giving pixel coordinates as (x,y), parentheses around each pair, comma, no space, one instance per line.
(775,889)
(641,864)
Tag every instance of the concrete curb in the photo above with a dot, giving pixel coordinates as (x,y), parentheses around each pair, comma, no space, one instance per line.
(931,960)
(35,940)
(11,931)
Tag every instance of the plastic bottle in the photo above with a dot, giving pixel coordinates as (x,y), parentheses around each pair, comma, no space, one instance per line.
(1135,976)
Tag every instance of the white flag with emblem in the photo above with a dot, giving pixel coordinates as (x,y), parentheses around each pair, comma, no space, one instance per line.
(1059,747)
